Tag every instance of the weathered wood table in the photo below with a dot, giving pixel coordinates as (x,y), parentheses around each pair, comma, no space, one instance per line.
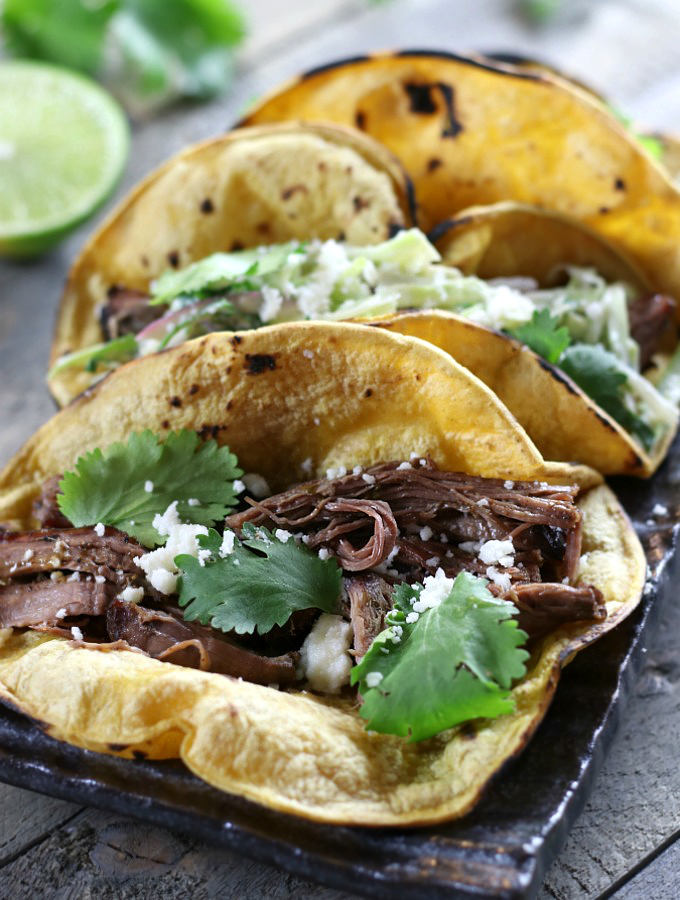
(624,844)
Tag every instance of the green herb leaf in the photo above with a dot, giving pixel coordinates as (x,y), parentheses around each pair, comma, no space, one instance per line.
(456,662)
(544,335)
(258,585)
(599,374)
(108,353)
(109,486)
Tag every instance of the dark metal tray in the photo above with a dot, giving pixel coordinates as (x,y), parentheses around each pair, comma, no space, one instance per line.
(501,850)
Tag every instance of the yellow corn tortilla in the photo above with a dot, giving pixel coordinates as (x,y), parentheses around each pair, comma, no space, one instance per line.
(340,394)
(250,187)
(507,239)
(473,133)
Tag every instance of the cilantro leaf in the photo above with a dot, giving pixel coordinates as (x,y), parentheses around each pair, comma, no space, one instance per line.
(599,373)
(247,591)
(543,335)
(456,662)
(109,486)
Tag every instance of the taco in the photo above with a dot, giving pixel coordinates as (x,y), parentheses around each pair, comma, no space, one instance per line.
(471,132)
(245,189)
(602,332)
(372,461)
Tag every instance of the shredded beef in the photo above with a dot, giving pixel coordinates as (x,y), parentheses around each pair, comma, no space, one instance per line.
(46,509)
(543,607)
(542,520)
(126,311)
(39,602)
(370,599)
(164,636)
(110,556)
(650,317)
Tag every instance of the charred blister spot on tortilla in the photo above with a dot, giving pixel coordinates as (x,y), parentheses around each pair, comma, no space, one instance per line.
(194,389)
(165,423)
(210,431)
(468,732)
(557,375)
(321,166)
(237,245)
(434,164)
(173,259)
(207,206)
(176,401)
(619,184)
(417,376)
(228,370)
(289,192)
(230,405)
(603,210)
(235,340)
(420,98)
(360,120)
(145,261)
(368,392)
(360,203)
(422,102)
(139,754)
(117,748)
(257,363)
(393,228)
(263,228)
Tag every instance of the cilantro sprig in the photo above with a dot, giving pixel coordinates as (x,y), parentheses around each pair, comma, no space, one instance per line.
(127,485)
(258,585)
(544,335)
(455,662)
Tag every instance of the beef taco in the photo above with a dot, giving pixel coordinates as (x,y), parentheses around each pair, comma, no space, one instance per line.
(242,190)
(378,523)
(563,291)
(471,131)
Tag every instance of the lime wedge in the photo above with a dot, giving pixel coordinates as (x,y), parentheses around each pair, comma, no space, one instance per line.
(63,146)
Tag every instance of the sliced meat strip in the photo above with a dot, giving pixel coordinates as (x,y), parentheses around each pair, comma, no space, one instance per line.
(126,312)
(163,636)
(39,602)
(46,509)
(650,317)
(544,607)
(74,549)
(370,599)
(379,545)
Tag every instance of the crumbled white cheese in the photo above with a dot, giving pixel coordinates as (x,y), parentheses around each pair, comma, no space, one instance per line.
(257,485)
(324,553)
(444,538)
(436,588)
(403,466)
(373,679)
(324,659)
(282,535)
(77,633)
(159,564)
(426,533)
(228,539)
(483,502)
(502,579)
(308,354)
(316,420)
(61,613)
(659,510)
(148,486)
(100,579)
(192,501)
(412,617)
(357,470)
(74,576)
(131,594)
(501,552)
(99,529)
(383,569)
(307,466)
(57,576)
(272,300)
(238,486)
(368,478)
(470,546)
(313,297)
(432,562)
(508,485)
(28,554)
(648,588)
(203,557)
(336,472)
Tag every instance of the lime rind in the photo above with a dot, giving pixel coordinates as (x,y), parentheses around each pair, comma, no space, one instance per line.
(63,146)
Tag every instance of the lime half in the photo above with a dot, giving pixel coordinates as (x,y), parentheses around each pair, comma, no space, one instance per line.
(63,146)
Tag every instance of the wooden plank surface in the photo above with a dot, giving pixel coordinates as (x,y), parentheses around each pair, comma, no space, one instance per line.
(49,848)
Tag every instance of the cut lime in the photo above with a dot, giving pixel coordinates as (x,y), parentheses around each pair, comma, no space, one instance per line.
(63,146)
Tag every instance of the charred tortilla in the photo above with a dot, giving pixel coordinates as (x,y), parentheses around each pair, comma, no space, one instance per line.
(340,395)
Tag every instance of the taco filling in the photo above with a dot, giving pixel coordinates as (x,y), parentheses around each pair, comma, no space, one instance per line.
(598,333)
(335,580)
